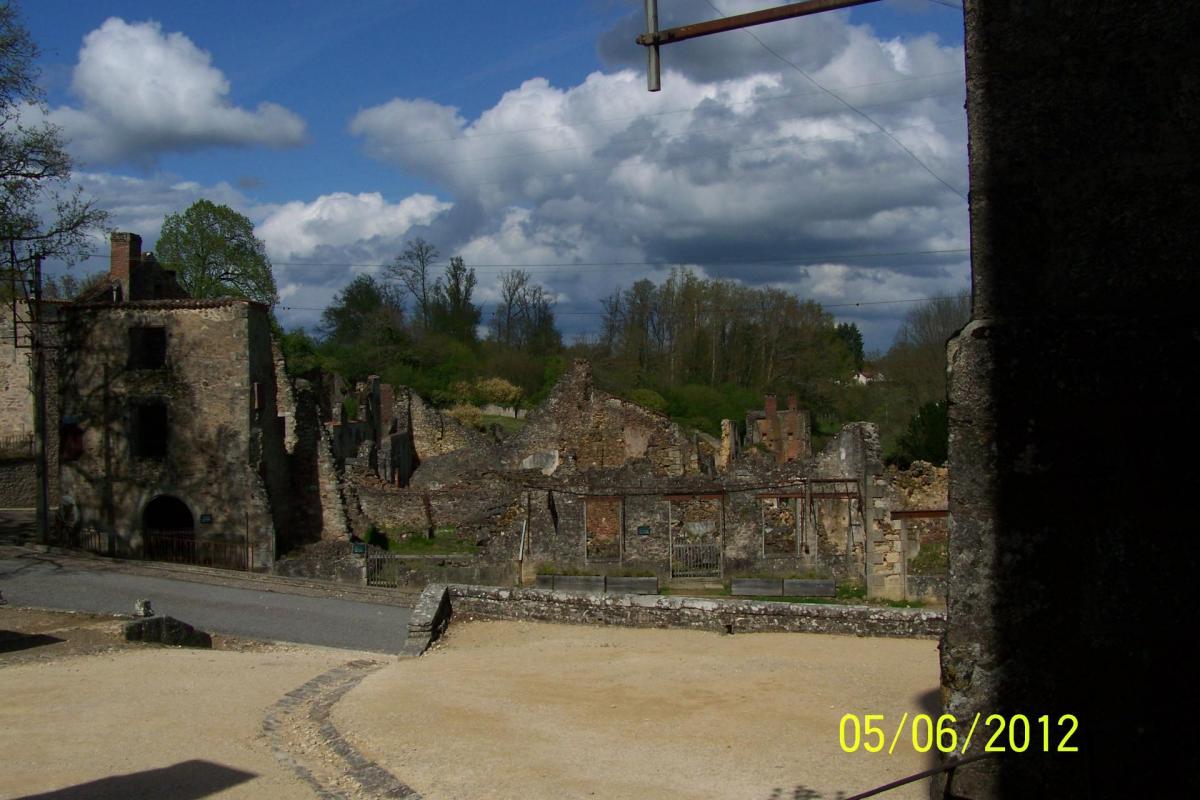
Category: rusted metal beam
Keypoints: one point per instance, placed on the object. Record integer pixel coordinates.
(922, 513)
(790, 11)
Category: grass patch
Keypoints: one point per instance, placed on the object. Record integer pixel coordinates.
(933, 559)
(851, 591)
(445, 541)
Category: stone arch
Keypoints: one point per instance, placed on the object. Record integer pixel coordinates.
(168, 514)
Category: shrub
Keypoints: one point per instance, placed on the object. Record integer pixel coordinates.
(468, 415)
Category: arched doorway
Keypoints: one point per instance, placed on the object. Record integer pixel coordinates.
(168, 530)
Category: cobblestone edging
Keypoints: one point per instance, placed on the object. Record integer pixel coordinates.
(303, 737)
(727, 616)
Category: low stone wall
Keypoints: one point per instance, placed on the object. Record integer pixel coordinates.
(429, 619)
(416, 571)
(728, 616)
(926, 588)
(18, 483)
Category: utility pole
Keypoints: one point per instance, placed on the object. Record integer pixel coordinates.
(39, 406)
(653, 37)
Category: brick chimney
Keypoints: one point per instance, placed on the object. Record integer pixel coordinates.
(126, 253)
(771, 406)
(793, 402)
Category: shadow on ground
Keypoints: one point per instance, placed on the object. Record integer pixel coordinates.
(11, 641)
(183, 781)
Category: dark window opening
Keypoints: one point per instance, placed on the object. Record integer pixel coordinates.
(147, 348)
(149, 439)
(70, 441)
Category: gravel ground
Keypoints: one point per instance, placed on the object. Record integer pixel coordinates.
(528, 710)
(86, 715)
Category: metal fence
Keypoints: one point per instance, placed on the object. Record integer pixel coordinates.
(696, 561)
(385, 569)
(16, 446)
(180, 547)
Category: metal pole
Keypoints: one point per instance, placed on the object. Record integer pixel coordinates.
(737, 21)
(39, 408)
(653, 76)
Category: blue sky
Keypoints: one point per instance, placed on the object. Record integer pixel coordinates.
(522, 134)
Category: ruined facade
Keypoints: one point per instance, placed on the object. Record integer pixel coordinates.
(597, 483)
(782, 435)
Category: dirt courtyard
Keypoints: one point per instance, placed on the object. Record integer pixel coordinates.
(528, 710)
(495, 710)
(85, 715)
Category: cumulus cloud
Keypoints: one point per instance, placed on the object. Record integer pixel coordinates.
(297, 230)
(144, 92)
(742, 167)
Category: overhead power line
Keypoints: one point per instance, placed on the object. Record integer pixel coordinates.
(557, 313)
(846, 103)
(740, 262)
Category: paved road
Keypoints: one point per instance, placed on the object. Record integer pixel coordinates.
(47, 581)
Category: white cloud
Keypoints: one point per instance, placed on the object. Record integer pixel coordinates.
(760, 175)
(297, 229)
(145, 92)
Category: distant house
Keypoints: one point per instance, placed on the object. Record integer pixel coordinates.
(168, 440)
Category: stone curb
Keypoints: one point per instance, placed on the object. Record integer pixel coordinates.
(255, 580)
(313, 701)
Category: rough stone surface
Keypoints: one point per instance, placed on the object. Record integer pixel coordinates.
(1066, 393)
(166, 630)
(18, 483)
(429, 619)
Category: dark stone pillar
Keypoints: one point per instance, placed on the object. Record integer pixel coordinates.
(1073, 447)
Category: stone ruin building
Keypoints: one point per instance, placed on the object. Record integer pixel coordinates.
(175, 434)
(598, 484)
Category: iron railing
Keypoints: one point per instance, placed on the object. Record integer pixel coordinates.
(180, 547)
(696, 561)
(16, 446)
(385, 569)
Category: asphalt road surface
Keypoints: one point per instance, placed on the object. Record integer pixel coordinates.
(46, 581)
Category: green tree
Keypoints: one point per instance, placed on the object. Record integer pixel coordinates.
(927, 437)
(453, 313)
(917, 358)
(35, 170)
(216, 253)
(363, 328)
(851, 336)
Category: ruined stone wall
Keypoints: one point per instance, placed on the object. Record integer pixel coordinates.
(586, 428)
(434, 433)
(217, 443)
(16, 397)
(18, 483)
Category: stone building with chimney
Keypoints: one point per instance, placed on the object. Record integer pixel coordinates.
(168, 441)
